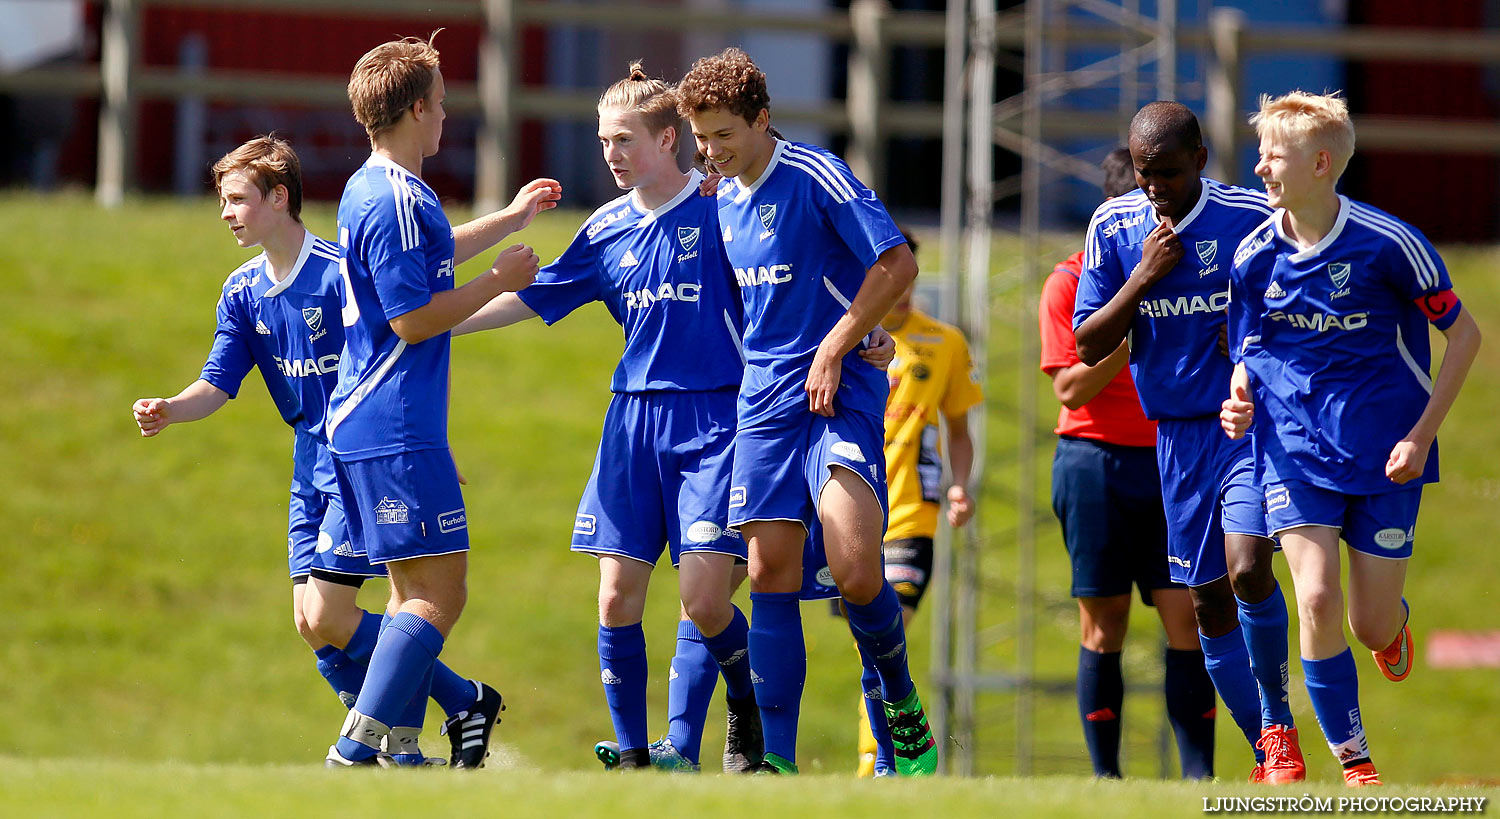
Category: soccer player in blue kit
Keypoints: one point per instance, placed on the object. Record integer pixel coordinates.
(387, 421)
(819, 262)
(1330, 303)
(655, 259)
(277, 312)
(1156, 267)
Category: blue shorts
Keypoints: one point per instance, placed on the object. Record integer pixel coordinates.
(318, 538)
(817, 578)
(782, 463)
(1208, 490)
(661, 478)
(404, 506)
(1383, 525)
(1108, 499)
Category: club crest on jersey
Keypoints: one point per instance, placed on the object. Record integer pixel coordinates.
(1207, 250)
(314, 318)
(390, 511)
(1339, 273)
(688, 237)
(767, 218)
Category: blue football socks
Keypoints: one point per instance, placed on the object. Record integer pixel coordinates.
(1228, 663)
(778, 670)
(878, 629)
(1265, 628)
(402, 660)
(690, 689)
(1333, 688)
(344, 675)
(869, 683)
(728, 648)
(622, 668)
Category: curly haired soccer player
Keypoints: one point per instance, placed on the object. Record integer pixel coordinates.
(819, 262)
(1330, 304)
(387, 420)
(654, 257)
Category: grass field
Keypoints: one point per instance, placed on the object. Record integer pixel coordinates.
(148, 608)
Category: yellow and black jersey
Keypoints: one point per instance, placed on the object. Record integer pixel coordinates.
(931, 375)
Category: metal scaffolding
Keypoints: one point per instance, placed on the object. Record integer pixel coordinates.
(1064, 46)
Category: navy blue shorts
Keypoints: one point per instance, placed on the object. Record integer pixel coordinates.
(404, 506)
(1208, 490)
(1383, 525)
(1108, 499)
(318, 538)
(661, 478)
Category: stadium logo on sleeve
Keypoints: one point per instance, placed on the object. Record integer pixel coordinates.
(584, 524)
(688, 237)
(1339, 272)
(453, 521)
(1207, 250)
(390, 511)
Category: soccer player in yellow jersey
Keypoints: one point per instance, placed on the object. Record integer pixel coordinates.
(933, 387)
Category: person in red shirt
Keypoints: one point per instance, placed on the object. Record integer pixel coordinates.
(1107, 494)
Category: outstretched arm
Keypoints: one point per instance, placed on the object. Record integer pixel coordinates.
(1409, 456)
(501, 311)
(514, 268)
(475, 237)
(198, 400)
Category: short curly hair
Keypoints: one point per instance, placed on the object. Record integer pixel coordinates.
(389, 79)
(728, 80)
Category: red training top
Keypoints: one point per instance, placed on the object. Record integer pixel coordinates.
(1114, 416)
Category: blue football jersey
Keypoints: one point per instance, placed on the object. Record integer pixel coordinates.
(801, 239)
(663, 276)
(290, 331)
(397, 250)
(1336, 344)
(1174, 337)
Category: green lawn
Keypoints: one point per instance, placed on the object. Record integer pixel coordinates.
(148, 615)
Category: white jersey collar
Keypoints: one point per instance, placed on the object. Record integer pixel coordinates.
(1304, 254)
(286, 281)
(746, 190)
(382, 161)
(1181, 225)
(652, 214)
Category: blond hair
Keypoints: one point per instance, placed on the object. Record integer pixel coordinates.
(653, 99)
(389, 79)
(267, 161)
(1315, 121)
